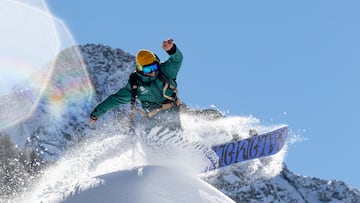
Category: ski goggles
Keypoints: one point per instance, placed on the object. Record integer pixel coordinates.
(150, 68)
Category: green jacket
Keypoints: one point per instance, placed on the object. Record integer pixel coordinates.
(150, 89)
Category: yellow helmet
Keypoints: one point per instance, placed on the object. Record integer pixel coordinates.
(145, 57)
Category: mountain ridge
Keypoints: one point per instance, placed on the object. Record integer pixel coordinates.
(61, 120)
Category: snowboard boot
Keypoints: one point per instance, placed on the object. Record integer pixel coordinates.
(253, 132)
(235, 136)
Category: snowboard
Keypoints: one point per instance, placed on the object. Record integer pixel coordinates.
(253, 147)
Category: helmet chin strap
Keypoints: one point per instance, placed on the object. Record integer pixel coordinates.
(152, 74)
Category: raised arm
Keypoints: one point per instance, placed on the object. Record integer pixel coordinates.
(172, 66)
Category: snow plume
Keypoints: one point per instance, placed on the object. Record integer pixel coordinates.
(31, 37)
(163, 154)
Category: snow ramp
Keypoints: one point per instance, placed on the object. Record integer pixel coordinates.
(148, 184)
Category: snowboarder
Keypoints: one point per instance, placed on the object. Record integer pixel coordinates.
(154, 84)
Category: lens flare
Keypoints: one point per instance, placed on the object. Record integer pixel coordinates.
(34, 68)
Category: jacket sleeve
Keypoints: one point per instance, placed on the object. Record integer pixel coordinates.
(172, 66)
(123, 96)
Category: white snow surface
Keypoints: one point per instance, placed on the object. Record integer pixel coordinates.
(113, 167)
(148, 184)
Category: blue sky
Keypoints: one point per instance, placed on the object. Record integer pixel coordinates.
(292, 62)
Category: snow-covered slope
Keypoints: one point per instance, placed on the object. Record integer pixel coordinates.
(90, 158)
(150, 184)
(116, 168)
